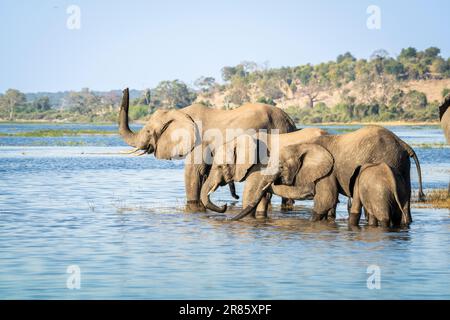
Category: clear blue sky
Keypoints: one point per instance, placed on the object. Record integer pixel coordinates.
(139, 43)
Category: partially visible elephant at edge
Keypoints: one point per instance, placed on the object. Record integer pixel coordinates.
(225, 172)
(381, 191)
(157, 135)
(444, 116)
(328, 165)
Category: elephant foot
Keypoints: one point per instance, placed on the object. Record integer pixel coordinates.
(287, 204)
(353, 219)
(261, 215)
(195, 206)
(318, 217)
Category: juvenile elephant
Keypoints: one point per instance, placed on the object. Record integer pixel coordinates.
(170, 134)
(328, 165)
(228, 168)
(383, 194)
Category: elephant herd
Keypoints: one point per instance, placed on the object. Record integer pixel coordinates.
(259, 145)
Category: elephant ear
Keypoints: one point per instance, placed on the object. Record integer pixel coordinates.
(443, 108)
(176, 135)
(245, 155)
(315, 163)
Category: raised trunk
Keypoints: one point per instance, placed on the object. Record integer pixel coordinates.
(207, 188)
(124, 130)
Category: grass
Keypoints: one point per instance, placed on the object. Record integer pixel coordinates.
(438, 145)
(436, 198)
(57, 133)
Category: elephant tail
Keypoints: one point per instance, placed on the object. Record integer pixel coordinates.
(413, 155)
(406, 217)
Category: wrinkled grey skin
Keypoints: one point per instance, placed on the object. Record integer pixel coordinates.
(444, 116)
(225, 172)
(329, 163)
(157, 135)
(383, 194)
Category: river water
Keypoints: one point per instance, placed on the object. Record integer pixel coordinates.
(73, 203)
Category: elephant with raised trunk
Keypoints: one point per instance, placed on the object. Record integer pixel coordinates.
(171, 134)
(328, 165)
(382, 192)
(228, 168)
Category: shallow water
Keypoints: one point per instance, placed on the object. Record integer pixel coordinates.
(120, 219)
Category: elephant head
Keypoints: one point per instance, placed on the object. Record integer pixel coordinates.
(232, 162)
(297, 165)
(169, 134)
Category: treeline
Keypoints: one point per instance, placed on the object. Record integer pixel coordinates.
(368, 89)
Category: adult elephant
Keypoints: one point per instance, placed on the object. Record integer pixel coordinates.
(329, 164)
(196, 130)
(444, 116)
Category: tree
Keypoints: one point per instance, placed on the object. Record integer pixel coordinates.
(205, 84)
(174, 94)
(346, 56)
(42, 104)
(82, 102)
(432, 52)
(147, 96)
(12, 99)
(311, 82)
(408, 53)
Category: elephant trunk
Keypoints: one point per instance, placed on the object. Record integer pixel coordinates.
(207, 188)
(124, 130)
(263, 187)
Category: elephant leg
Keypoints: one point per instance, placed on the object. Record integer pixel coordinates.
(373, 222)
(193, 179)
(249, 193)
(261, 209)
(287, 204)
(325, 200)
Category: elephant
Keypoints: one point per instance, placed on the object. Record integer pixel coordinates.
(178, 134)
(444, 116)
(225, 171)
(328, 166)
(383, 194)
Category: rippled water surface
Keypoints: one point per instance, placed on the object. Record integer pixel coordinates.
(74, 201)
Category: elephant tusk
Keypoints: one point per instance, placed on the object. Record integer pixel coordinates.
(140, 154)
(129, 151)
(213, 189)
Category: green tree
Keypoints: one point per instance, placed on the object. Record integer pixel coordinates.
(174, 94)
(42, 104)
(11, 100)
(205, 84)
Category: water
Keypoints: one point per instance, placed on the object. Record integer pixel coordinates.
(120, 219)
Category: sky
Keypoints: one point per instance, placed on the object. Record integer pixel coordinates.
(137, 44)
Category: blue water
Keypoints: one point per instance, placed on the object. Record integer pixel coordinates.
(120, 219)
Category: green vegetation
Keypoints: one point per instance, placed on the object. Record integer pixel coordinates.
(373, 89)
(436, 198)
(57, 133)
